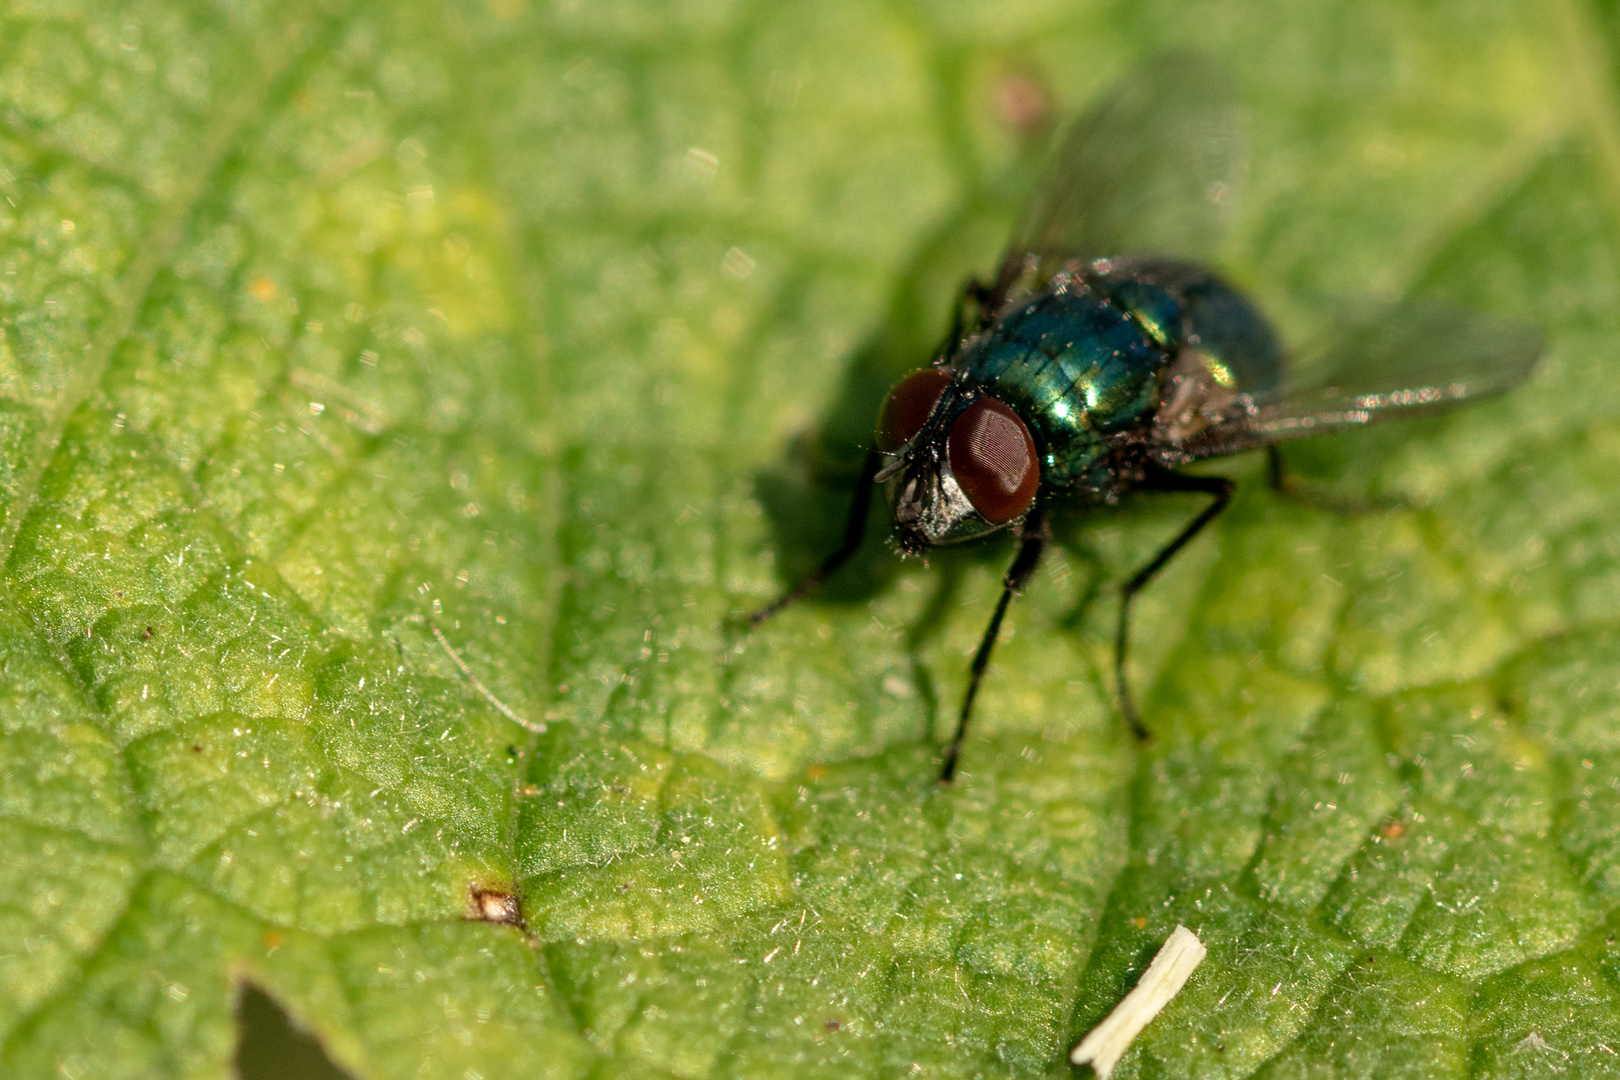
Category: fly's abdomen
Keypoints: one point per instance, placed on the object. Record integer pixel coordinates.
(1181, 304)
(1076, 369)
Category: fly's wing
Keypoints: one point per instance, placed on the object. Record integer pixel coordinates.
(1416, 359)
(1152, 169)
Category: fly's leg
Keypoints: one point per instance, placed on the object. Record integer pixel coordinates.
(854, 533)
(1096, 575)
(1218, 488)
(1289, 486)
(1029, 555)
(973, 292)
(1277, 473)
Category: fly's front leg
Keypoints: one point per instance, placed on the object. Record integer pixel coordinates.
(973, 292)
(1029, 556)
(1157, 479)
(854, 533)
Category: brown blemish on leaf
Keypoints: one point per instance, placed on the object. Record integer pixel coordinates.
(1392, 830)
(494, 906)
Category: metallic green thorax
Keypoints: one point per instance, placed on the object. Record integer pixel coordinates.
(1083, 362)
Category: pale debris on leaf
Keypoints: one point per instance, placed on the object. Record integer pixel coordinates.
(1175, 962)
(488, 695)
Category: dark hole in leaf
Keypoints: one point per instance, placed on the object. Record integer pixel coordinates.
(271, 1046)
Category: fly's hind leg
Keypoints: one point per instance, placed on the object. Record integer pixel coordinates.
(854, 533)
(1029, 556)
(1219, 488)
(1291, 486)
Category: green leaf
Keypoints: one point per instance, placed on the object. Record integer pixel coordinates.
(399, 403)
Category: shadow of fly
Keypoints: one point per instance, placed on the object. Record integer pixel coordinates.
(1106, 356)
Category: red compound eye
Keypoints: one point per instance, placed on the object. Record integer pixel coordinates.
(993, 458)
(908, 407)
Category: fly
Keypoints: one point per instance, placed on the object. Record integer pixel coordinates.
(1095, 366)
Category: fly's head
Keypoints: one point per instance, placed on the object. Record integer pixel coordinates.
(959, 463)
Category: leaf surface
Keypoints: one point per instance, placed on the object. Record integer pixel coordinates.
(399, 403)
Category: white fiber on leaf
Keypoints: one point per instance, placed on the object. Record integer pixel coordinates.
(1162, 981)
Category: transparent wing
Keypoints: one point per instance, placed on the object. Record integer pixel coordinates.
(1151, 169)
(1414, 359)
